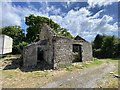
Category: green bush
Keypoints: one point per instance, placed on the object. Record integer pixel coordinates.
(97, 53)
(106, 46)
(19, 48)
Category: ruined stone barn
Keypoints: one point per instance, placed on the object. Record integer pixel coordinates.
(55, 51)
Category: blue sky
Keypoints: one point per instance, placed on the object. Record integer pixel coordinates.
(86, 19)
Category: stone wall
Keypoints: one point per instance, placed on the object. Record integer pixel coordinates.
(62, 52)
(30, 56)
(31, 51)
(57, 52)
(47, 34)
(48, 53)
(86, 51)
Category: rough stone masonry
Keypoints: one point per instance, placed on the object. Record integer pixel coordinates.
(56, 51)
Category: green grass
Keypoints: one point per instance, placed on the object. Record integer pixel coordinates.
(36, 74)
(69, 68)
(9, 56)
(111, 60)
(94, 62)
(82, 65)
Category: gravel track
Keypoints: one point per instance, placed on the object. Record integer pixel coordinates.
(86, 78)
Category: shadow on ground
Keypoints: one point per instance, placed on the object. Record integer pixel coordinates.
(12, 63)
(43, 65)
(18, 62)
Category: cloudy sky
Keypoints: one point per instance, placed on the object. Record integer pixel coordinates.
(84, 18)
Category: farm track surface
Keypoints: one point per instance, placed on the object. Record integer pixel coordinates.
(86, 78)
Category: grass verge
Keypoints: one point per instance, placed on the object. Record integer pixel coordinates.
(82, 65)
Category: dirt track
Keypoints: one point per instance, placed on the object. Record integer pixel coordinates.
(86, 78)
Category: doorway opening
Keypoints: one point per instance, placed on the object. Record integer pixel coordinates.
(39, 55)
(41, 62)
(77, 52)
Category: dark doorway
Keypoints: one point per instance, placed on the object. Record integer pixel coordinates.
(77, 53)
(41, 62)
(39, 55)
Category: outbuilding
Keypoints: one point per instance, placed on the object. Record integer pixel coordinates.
(56, 51)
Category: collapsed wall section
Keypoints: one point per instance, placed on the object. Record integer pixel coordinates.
(30, 56)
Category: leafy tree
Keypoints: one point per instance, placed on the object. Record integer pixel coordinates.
(35, 24)
(98, 42)
(106, 46)
(16, 33)
(20, 46)
(117, 48)
(65, 33)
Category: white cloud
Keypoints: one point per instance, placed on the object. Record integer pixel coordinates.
(54, 10)
(13, 15)
(9, 17)
(68, 3)
(57, 19)
(78, 22)
(81, 23)
(93, 3)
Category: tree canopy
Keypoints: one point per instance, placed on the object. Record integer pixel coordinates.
(35, 24)
(106, 46)
(16, 33)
